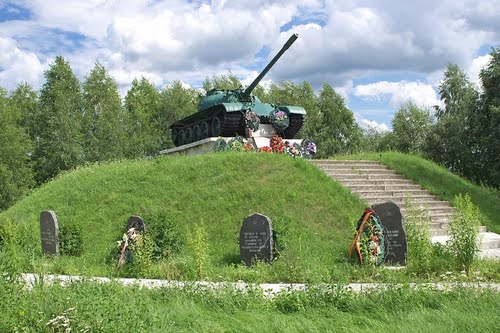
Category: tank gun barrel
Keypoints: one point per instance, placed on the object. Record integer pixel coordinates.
(255, 82)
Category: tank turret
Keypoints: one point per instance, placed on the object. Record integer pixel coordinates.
(222, 112)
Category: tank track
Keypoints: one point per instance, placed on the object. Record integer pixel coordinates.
(296, 122)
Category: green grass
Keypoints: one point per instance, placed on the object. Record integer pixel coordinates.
(441, 182)
(91, 307)
(208, 197)
(314, 215)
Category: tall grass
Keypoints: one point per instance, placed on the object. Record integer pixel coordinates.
(93, 307)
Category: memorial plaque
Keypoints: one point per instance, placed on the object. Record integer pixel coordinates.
(256, 239)
(49, 233)
(395, 238)
(136, 222)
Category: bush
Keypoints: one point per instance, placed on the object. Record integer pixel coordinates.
(70, 240)
(164, 235)
(464, 232)
(420, 249)
(198, 244)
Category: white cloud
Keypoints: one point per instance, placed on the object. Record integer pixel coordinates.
(475, 68)
(371, 124)
(17, 65)
(399, 93)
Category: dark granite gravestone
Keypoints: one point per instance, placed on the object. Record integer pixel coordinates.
(395, 237)
(256, 239)
(136, 222)
(49, 233)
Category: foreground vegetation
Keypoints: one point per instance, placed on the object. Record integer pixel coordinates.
(91, 307)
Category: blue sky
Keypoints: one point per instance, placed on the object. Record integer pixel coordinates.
(377, 53)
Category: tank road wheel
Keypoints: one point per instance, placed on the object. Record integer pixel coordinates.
(181, 137)
(189, 135)
(196, 133)
(215, 126)
(204, 130)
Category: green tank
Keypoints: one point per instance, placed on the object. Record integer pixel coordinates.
(223, 112)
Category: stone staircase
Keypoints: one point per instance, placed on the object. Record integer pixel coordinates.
(377, 183)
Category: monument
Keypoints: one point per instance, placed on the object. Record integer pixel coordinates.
(395, 235)
(256, 239)
(49, 233)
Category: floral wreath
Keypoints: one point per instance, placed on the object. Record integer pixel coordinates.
(220, 144)
(294, 150)
(369, 240)
(252, 120)
(279, 120)
(309, 148)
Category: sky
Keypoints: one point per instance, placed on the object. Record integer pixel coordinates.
(378, 54)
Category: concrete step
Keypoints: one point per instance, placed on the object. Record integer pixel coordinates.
(368, 171)
(359, 167)
(374, 182)
(393, 187)
(428, 210)
(360, 177)
(350, 162)
(415, 198)
(396, 193)
(489, 240)
(420, 202)
(439, 219)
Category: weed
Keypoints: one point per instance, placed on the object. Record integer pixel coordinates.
(464, 232)
(70, 240)
(420, 252)
(198, 243)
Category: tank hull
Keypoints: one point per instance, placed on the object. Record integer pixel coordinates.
(227, 120)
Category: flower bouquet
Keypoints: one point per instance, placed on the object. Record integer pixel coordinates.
(279, 120)
(277, 144)
(266, 149)
(248, 147)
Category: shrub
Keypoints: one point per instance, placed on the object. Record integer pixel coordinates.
(198, 244)
(164, 234)
(420, 249)
(464, 232)
(70, 240)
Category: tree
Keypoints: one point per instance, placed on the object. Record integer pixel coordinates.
(59, 144)
(375, 140)
(16, 176)
(490, 118)
(142, 106)
(454, 141)
(335, 131)
(103, 125)
(176, 102)
(229, 81)
(25, 100)
(411, 126)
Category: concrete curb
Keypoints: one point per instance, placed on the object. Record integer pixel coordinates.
(268, 289)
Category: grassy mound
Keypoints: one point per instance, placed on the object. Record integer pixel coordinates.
(196, 205)
(441, 182)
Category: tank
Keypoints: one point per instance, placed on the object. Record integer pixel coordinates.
(223, 112)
